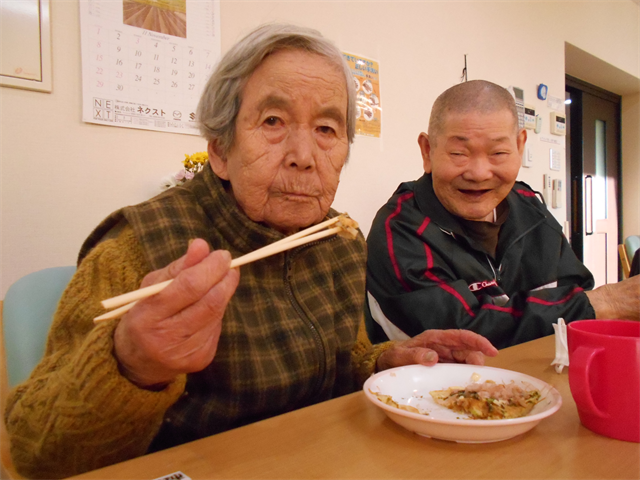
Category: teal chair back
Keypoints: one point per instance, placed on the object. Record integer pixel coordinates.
(632, 243)
(27, 312)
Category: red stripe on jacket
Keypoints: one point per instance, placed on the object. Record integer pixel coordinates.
(424, 225)
(449, 289)
(512, 311)
(526, 193)
(557, 302)
(431, 276)
(387, 227)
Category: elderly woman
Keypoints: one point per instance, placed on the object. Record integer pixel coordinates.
(219, 347)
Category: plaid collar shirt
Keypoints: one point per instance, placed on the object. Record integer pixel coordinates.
(287, 332)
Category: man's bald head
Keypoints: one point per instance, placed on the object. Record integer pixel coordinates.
(477, 96)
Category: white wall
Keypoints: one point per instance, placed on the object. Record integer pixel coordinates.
(60, 176)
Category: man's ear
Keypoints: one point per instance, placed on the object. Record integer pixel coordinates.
(425, 148)
(217, 161)
(521, 140)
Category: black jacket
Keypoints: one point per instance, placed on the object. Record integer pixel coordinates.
(424, 272)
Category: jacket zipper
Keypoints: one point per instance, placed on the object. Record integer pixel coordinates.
(495, 275)
(322, 361)
(517, 239)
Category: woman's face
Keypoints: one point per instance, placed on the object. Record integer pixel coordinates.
(290, 141)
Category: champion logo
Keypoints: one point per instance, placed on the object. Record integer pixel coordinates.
(474, 287)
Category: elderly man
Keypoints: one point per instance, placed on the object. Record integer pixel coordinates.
(219, 348)
(466, 246)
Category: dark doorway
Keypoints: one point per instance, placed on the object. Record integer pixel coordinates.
(593, 150)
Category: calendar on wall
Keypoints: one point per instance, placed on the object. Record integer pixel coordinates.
(146, 62)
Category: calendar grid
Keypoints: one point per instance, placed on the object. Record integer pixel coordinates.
(140, 78)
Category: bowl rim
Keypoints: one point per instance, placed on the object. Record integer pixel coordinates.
(554, 406)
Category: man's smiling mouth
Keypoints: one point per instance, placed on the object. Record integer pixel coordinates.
(474, 193)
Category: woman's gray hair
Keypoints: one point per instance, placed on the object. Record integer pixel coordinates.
(220, 101)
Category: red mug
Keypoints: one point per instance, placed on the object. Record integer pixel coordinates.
(604, 376)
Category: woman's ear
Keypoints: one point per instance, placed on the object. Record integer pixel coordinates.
(217, 161)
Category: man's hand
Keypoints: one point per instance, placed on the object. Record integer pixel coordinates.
(617, 300)
(177, 330)
(461, 346)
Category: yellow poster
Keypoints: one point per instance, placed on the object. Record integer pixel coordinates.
(368, 106)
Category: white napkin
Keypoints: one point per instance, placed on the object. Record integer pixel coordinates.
(562, 350)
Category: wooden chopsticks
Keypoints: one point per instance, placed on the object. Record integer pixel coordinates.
(344, 226)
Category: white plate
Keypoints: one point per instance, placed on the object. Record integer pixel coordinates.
(411, 385)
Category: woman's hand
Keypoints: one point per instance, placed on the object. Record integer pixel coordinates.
(177, 330)
(431, 346)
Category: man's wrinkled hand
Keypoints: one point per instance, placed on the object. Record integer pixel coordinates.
(617, 300)
(431, 346)
(177, 330)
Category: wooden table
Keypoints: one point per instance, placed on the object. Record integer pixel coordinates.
(350, 438)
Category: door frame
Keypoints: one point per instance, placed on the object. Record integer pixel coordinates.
(576, 151)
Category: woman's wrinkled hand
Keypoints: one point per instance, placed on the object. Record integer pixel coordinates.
(177, 330)
(431, 346)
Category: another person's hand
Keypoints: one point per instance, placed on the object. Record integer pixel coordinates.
(177, 330)
(431, 346)
(617, 300)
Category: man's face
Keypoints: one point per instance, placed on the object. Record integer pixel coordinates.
(290, 141)
(474, 161)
